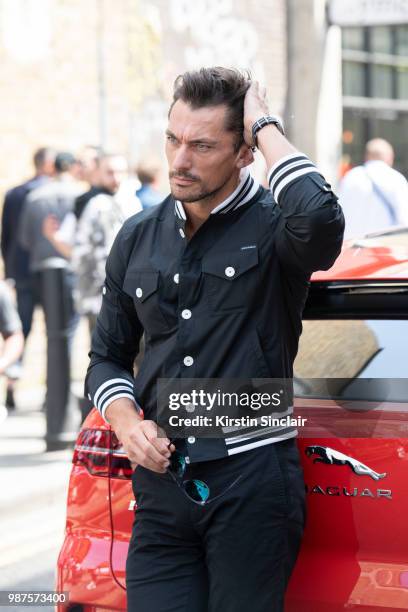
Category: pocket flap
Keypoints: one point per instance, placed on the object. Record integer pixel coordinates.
(140, 284)
(230, 265)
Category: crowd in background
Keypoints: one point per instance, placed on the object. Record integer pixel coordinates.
(58, 228)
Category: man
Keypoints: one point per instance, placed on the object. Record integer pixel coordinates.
(89, 160)
(374, 196)
(86, 240)
(216, 276)
(16, 258)
(95, 230)
(53, 283)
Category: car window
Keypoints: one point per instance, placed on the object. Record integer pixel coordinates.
(351, 359)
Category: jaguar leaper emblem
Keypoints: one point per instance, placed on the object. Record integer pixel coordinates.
(324, 454)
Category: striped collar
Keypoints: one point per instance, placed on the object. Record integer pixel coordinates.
(245, 191)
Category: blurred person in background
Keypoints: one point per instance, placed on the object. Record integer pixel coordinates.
(148, 193)
(89, 159)
(53, 282)
(16, 258)
(89, 173)
(11, 332)
(88, 246)
(374, 196)
(95, 232)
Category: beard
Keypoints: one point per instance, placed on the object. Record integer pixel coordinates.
(196, 192)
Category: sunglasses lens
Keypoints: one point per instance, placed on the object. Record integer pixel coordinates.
(197, 490)
(177, 464)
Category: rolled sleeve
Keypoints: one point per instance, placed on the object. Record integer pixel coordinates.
(312, 222)
(115, 340)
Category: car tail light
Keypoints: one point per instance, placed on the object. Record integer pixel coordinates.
(102, 454)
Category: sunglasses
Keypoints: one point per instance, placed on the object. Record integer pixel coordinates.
(196, 490)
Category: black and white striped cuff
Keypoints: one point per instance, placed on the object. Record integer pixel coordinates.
(288, 169)
(245, 444)
(112, 390)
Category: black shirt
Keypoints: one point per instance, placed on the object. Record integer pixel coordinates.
(225, 304)
(82, 200)
(16, 258)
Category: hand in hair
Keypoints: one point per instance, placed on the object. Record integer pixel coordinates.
(255, 107)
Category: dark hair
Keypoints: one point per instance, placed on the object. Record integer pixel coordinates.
(147, 172)
(41, 155)
(64, 161)
(212, 87)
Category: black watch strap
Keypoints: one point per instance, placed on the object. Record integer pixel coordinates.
(260, 123)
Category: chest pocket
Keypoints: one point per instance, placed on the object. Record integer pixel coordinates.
(142, 286)
(231, 279)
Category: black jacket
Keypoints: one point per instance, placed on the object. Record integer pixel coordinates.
(16, 258)
(226, 304)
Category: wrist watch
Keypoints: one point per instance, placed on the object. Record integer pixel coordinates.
(260, 123)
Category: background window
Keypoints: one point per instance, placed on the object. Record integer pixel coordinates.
(354, 79)
(401, 42)
(381, 81)
(381, 40)
(353, 38)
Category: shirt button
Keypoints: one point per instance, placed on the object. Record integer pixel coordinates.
(188, 360)
(230, 271)
(104, 291)
(191, 439)
(190, 407)
(182, 234)
(139, 292)
(186, 314)
(176, 278)
(187, 459)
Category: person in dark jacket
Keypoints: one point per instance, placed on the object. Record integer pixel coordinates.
(216, 277)
(16, 257)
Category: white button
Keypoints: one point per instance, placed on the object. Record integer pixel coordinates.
(176, 278)
(182, 234)
(188, 360)
(104, 291)
(191, 439)
(187, 459)
(139, 292)
(230, 271)
(186, 314)
(190, 407)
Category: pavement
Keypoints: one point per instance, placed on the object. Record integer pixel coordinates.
(30, 477)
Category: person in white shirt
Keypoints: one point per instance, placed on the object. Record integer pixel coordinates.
(86, 241)
(374, 196)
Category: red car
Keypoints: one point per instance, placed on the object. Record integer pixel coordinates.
(351, 382)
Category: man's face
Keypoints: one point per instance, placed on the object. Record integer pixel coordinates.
(200, 151)
(112, 171)
(88, 166)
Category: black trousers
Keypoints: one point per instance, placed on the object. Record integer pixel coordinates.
(235, 554)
